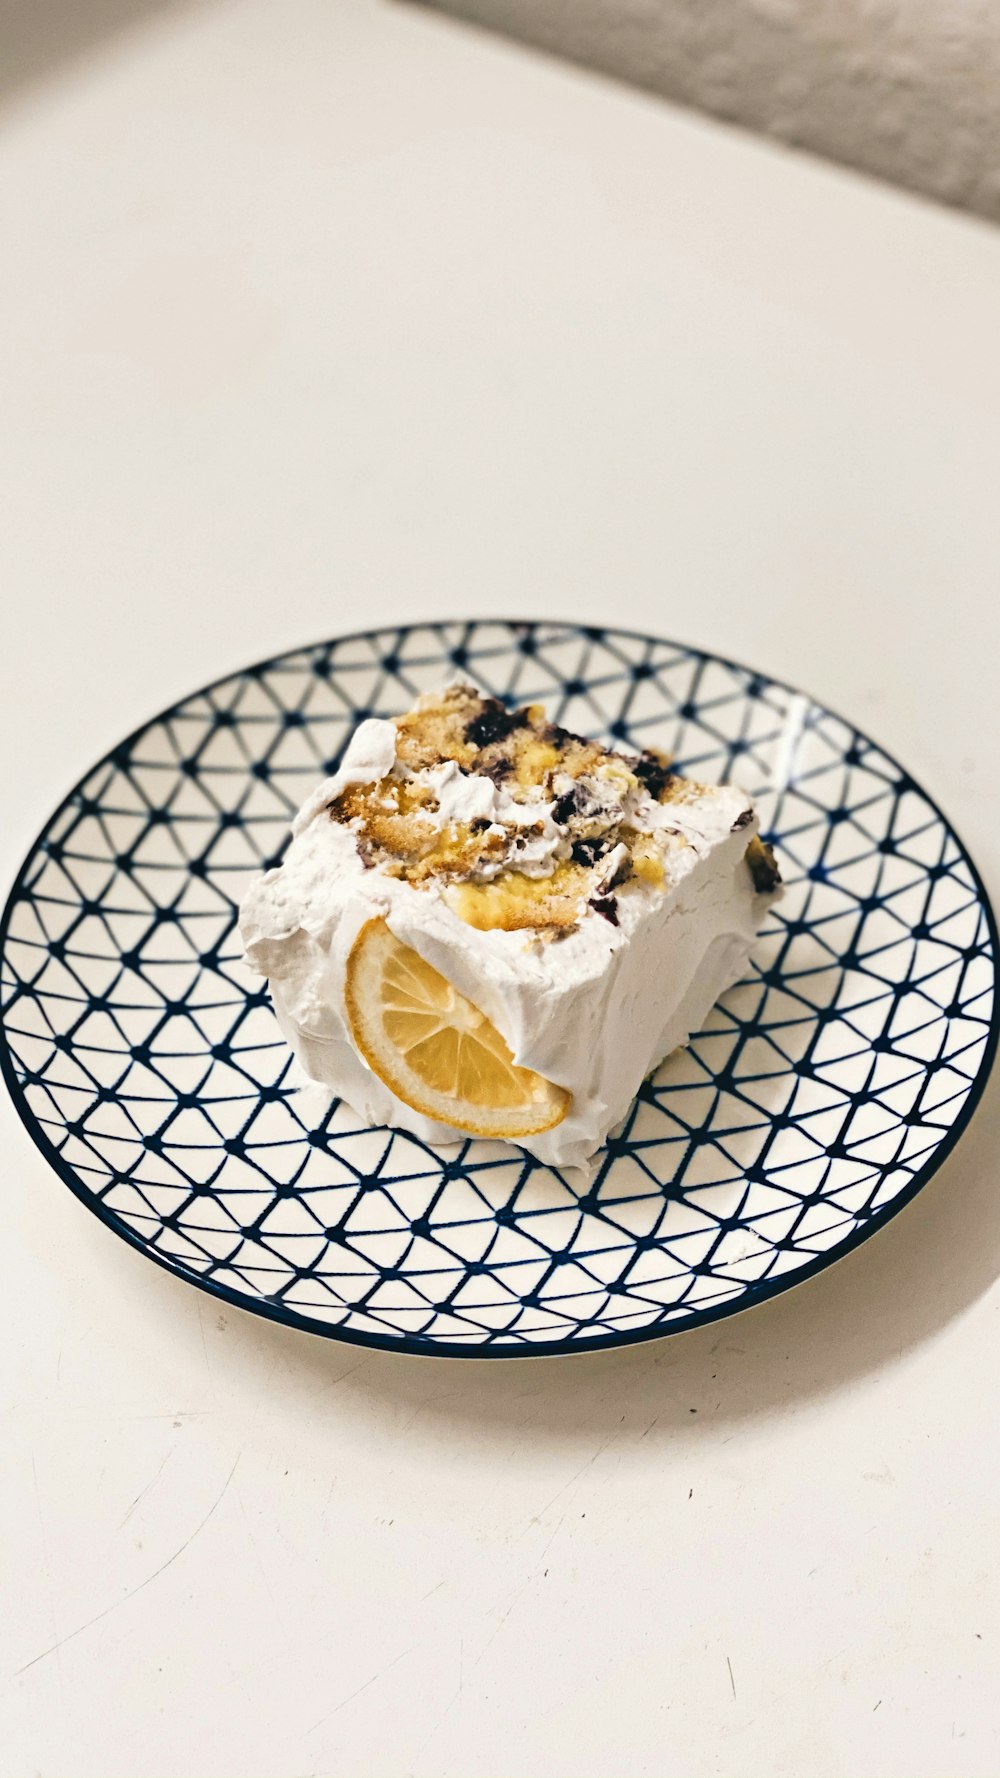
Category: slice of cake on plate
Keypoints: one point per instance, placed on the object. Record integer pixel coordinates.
(486, 925)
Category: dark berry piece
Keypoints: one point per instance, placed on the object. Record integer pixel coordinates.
(653, 773)
(493, 723)
(607, 906)
(565, 806)
(588, 851)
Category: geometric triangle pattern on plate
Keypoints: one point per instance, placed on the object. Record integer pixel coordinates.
(824, 1089)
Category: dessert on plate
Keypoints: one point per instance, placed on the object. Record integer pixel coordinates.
(487, 925)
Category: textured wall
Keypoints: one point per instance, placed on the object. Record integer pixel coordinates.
(907, 89)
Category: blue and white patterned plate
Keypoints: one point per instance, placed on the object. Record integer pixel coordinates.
(825, 1089)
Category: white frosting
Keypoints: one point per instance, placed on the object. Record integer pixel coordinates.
(610, 867)
(468, 796)
(594, 1011)
(369, 756)
(461, 796)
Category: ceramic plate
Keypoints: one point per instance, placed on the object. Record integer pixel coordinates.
(823, 1092)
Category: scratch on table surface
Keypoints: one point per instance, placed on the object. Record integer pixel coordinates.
(428, 1401)
(649, 1428)
(204, 1342)
(117, 1603)
(732, 1681)
(435, 1589)
(47, 1560)
(144, 1491)
(362, 1688)
(343, 1375)
(517, 1596)
(551, 1541)
(38, 1510)
(452, 1701)
(256, 1551)
(178, 1414)
(575, 1477)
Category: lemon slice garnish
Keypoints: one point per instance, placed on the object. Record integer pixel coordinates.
(434, 1049)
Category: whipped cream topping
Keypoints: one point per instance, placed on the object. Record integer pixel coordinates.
(470, 796)
(593, 1011)
(369, 757)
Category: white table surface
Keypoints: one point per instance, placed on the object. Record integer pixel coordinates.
(314, 314)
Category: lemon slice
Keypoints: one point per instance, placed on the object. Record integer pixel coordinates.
(434, 1049)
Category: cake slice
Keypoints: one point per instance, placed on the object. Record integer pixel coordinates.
(486, 925)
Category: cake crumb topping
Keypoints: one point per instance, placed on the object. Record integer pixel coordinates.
(519, 823)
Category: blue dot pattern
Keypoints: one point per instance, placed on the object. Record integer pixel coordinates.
(823, 1091)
